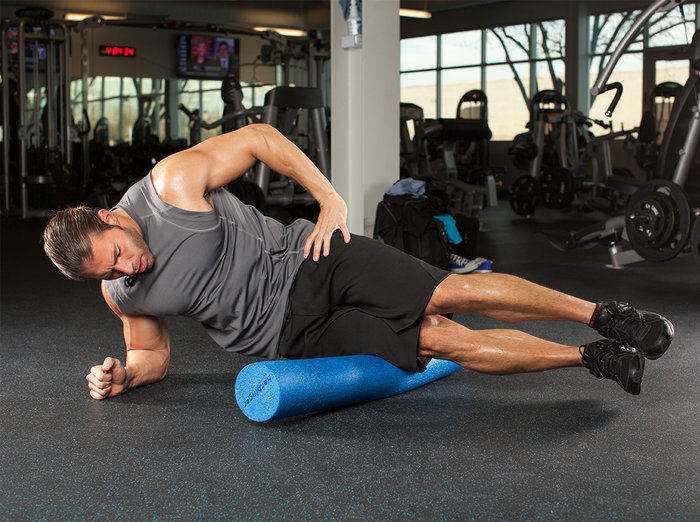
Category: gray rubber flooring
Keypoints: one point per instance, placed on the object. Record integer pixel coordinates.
(559, 445)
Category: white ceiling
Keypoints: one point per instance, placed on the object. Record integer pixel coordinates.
(306, 14)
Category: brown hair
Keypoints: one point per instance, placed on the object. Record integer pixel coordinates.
(67, 239)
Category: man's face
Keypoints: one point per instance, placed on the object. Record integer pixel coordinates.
(118, 252)
(200, 50)
(223, 50)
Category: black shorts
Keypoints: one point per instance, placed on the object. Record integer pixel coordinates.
(365, 298)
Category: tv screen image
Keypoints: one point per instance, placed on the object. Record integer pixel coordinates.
(214, 57)
(12, 39)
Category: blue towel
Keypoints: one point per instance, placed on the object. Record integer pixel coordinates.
(407, 187)
(450, 226)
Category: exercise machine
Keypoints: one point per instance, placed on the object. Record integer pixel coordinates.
(36, 72)
(661, 216)
(234, 116)
(299, 114)
(611, 187)
(451, 154)
(284, 109)
(414, 154)
(549, 151)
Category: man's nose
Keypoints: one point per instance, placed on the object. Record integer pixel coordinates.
(124, 266)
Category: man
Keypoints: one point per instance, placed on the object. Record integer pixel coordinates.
(223, 55)
(179, 244)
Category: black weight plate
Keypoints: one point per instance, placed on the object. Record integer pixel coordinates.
(524, 195)
(557, 187)
(694, 241)
(654, 219)
(675, 220)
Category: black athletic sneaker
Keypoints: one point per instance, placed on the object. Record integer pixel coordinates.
(610, 360)
(646, 332)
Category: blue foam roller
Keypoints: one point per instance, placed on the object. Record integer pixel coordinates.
(270, 390)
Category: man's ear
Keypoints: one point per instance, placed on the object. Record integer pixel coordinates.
(108, 217)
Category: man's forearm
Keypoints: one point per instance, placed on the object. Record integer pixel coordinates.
(145, 367)
(230, 155)
(286, 158)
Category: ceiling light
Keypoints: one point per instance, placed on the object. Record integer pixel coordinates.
(78, 17)
(281, 30)
(415, 13)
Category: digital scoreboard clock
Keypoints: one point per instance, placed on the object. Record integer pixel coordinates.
(123, 51)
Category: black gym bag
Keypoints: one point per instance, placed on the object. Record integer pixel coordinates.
(407, 223)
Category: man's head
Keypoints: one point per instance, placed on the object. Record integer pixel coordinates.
(85, 243)
(223, 50)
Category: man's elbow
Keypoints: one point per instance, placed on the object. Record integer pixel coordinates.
(163, 369)
(263, 135)
(262, 128)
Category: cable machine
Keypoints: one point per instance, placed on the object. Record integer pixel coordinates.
(36, 58)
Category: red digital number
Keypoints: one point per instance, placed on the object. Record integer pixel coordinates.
(117, 50)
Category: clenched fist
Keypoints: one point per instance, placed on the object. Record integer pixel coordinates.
(107, 379)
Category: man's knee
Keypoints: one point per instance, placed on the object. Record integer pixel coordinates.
(434, 321)
(441, 337)
(452, 290)
(433, 329)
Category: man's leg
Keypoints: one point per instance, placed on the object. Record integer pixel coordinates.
(495, 352)
(501, 352)
(507, 298)
(510, 298)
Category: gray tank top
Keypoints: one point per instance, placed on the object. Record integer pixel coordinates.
(230, 269)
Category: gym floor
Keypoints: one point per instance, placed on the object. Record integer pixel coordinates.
(558, 445)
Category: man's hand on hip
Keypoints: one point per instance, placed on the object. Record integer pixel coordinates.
(107, 379)
(333, 216)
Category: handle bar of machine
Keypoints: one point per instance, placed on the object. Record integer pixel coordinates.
(601, 85)
(253, 112)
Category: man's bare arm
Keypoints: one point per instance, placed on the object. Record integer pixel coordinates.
(184, 179)
(147, 355)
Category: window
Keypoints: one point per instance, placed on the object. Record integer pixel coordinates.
(205, 96)
(459, 49)
(506, 82)
(509, 63)
(508, 44)
(419, 53)
(669, 28)
(534, 56)
(606, 32)
(456, 82)
(673, 27)
(420, 88)
(117, 99)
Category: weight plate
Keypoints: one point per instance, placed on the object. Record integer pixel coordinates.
(658, 220)
(557, 187)
(653, 217)
(524, 195)
(695, 240)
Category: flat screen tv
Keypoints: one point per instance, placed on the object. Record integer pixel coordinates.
(207, 57)
(12, 39)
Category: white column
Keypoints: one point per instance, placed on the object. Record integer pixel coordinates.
(365, 110)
